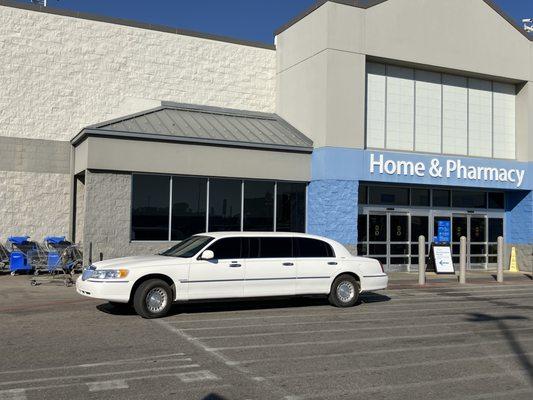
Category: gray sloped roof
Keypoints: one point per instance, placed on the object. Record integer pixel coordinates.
(205, 125)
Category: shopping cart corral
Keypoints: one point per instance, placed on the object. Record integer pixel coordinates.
(56, 259)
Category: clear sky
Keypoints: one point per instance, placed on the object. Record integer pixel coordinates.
(253, 20)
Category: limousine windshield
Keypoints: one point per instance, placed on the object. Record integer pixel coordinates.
(188, 247)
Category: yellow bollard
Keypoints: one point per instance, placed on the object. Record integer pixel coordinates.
(513, 265)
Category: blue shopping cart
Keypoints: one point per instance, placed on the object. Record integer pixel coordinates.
(18, 257)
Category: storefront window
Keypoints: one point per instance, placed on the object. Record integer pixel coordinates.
(290, 207)
(420, 197)
(441, 198)
(186, 206)
(469, 199)
(396, 196)
(189, 197)
(258, 206)
(150, 207)
(224, 205)
(496, 200)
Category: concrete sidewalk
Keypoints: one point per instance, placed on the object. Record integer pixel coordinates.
(401, 280)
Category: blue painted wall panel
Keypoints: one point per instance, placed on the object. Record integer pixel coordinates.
(519, 217)
(332, 209)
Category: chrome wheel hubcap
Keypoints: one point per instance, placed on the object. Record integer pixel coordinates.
(156, 300)
(345, 291)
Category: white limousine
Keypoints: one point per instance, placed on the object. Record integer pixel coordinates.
(222, 265)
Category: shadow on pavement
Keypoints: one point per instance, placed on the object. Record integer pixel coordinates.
(514, 344)
(243, 305)
(213, 396)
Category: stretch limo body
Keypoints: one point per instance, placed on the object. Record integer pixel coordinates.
(221, 265)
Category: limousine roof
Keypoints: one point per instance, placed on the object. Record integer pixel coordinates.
(340, 250)
(217, 235)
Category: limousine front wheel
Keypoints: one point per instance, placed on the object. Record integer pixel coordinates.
(344, 291)
(153, 299)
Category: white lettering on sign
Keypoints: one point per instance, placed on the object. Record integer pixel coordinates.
(452, 168)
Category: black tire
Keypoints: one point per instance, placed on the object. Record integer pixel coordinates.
(344, 291)
(157, 288)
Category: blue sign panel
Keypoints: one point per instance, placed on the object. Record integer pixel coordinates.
(443, 232)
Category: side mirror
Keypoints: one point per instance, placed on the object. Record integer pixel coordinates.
(207, 255)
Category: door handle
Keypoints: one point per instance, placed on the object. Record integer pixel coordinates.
(288, 264)
(332, 263)
(235, 265)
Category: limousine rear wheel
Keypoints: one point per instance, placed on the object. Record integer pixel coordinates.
(153, 299)
(344, 291)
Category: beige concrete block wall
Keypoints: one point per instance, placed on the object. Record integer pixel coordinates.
(34, 204)
(60, 74)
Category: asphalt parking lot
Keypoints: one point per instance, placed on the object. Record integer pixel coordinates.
(474, 342)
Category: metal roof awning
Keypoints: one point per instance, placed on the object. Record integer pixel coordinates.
(192, 124)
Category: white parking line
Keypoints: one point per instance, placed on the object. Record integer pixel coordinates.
(395, 366)
(114, 362)
(107, 385)
(319, 331)
(13, 394)
(196, 376)
(66, 377)
(380, 351)
(342, 313)
(366, 339)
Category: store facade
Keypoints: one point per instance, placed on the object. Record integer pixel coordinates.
(367, 132)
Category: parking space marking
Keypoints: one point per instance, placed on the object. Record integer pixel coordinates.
(107, 385)
(397, 366)
(368, 339)
(159, 358)
(66, 377)
(318, 331)
(196, 376)
(345, 312)
(13, 394)
(380, 351)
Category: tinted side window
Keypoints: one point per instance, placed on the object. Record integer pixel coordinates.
(226, 248)
(313, 248)
(250, 247)
(275, 247)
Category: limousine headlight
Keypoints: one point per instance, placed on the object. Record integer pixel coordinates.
(109, 273)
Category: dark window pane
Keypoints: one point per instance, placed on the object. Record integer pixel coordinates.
(361, 228)
(459, 228)
(495, 228)
(290, 207)
(441, 198)
(258, 206)
(496, 200)
(419, 226)
(478, 249)
(377, 229)
(377, 249)
(150, 207)
(225, 249)
(224, 205)
(493, 249)
(363, 192)
(276, 247)
(399, 249)
(469, 199)
(307, 248)
(399, 228)
(399, 260)
(189, 197)
(477, 229)
(362, 249)
(493, 260)
(420, 197)
(251, 247)
(396, 196)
